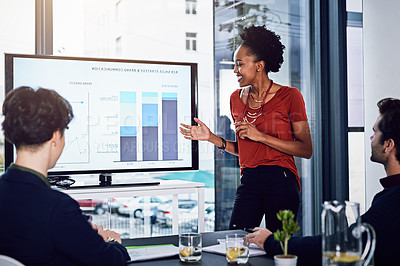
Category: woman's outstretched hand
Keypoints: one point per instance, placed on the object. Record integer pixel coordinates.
(200, 132)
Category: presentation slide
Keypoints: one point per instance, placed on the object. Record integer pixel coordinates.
(127, 114)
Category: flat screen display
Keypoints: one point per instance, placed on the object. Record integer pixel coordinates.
(127, 112)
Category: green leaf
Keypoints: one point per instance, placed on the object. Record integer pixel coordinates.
(289, 227)
(276, 237)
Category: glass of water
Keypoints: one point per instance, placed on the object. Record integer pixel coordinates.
(190, 247)
(237, 249)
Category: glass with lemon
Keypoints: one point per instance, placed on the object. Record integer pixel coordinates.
(190, 247)
(237, 249)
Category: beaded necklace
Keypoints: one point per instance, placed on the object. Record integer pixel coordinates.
(260, 109)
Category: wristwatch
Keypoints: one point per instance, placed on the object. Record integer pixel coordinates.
(223, 146)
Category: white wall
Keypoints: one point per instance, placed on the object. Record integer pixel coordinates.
(381, 73)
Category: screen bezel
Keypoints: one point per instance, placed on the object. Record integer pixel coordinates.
(9, 85)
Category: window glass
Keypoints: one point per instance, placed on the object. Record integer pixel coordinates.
(355, 77)
(116, 29)
(290, 20)
(144, 216)
(355, 93)
(357, 169)
(354, 5)
(98, 30)
(17, 35)
(156, 30)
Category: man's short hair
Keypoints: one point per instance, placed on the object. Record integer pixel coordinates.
(389, 124)
(32, 116)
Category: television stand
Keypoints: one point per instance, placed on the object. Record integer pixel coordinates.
(105, 179)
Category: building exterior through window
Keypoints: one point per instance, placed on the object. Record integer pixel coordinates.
(191, 41)
(191, 7)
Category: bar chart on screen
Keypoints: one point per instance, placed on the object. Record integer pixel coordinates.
(126, 113)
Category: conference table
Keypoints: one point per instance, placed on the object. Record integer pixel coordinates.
(209, 239)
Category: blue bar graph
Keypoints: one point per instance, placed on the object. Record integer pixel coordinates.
(150, 126)
(170, 125)
(128, 126)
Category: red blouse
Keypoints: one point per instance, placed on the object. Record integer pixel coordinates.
(285, 107)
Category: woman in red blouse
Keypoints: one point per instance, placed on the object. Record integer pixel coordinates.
(271, 127)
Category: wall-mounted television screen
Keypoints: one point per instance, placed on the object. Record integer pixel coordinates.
(127, 112)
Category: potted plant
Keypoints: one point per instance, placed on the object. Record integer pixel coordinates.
(289, 227)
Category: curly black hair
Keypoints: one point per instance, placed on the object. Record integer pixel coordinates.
(389, 124)
(31, 116)
(265, 45)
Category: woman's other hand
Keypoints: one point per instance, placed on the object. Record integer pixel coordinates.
(200, 132)
(248, 130)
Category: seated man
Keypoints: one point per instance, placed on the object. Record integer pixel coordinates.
(384, 213)
(38, 225)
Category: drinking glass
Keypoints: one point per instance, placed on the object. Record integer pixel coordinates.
(237, 249)
(190, 247)
(341, 234)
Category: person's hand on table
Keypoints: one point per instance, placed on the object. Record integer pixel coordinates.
(259, 236)
(107, 235)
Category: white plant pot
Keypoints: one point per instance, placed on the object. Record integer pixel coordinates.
(282, 260)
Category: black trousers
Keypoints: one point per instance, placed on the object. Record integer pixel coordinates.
(265, 189)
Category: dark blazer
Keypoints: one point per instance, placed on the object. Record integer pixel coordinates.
(42, 226)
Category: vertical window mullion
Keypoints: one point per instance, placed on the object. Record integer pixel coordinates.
(44, 27)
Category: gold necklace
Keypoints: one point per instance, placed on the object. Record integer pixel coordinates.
(251, 95)
(260, 110)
